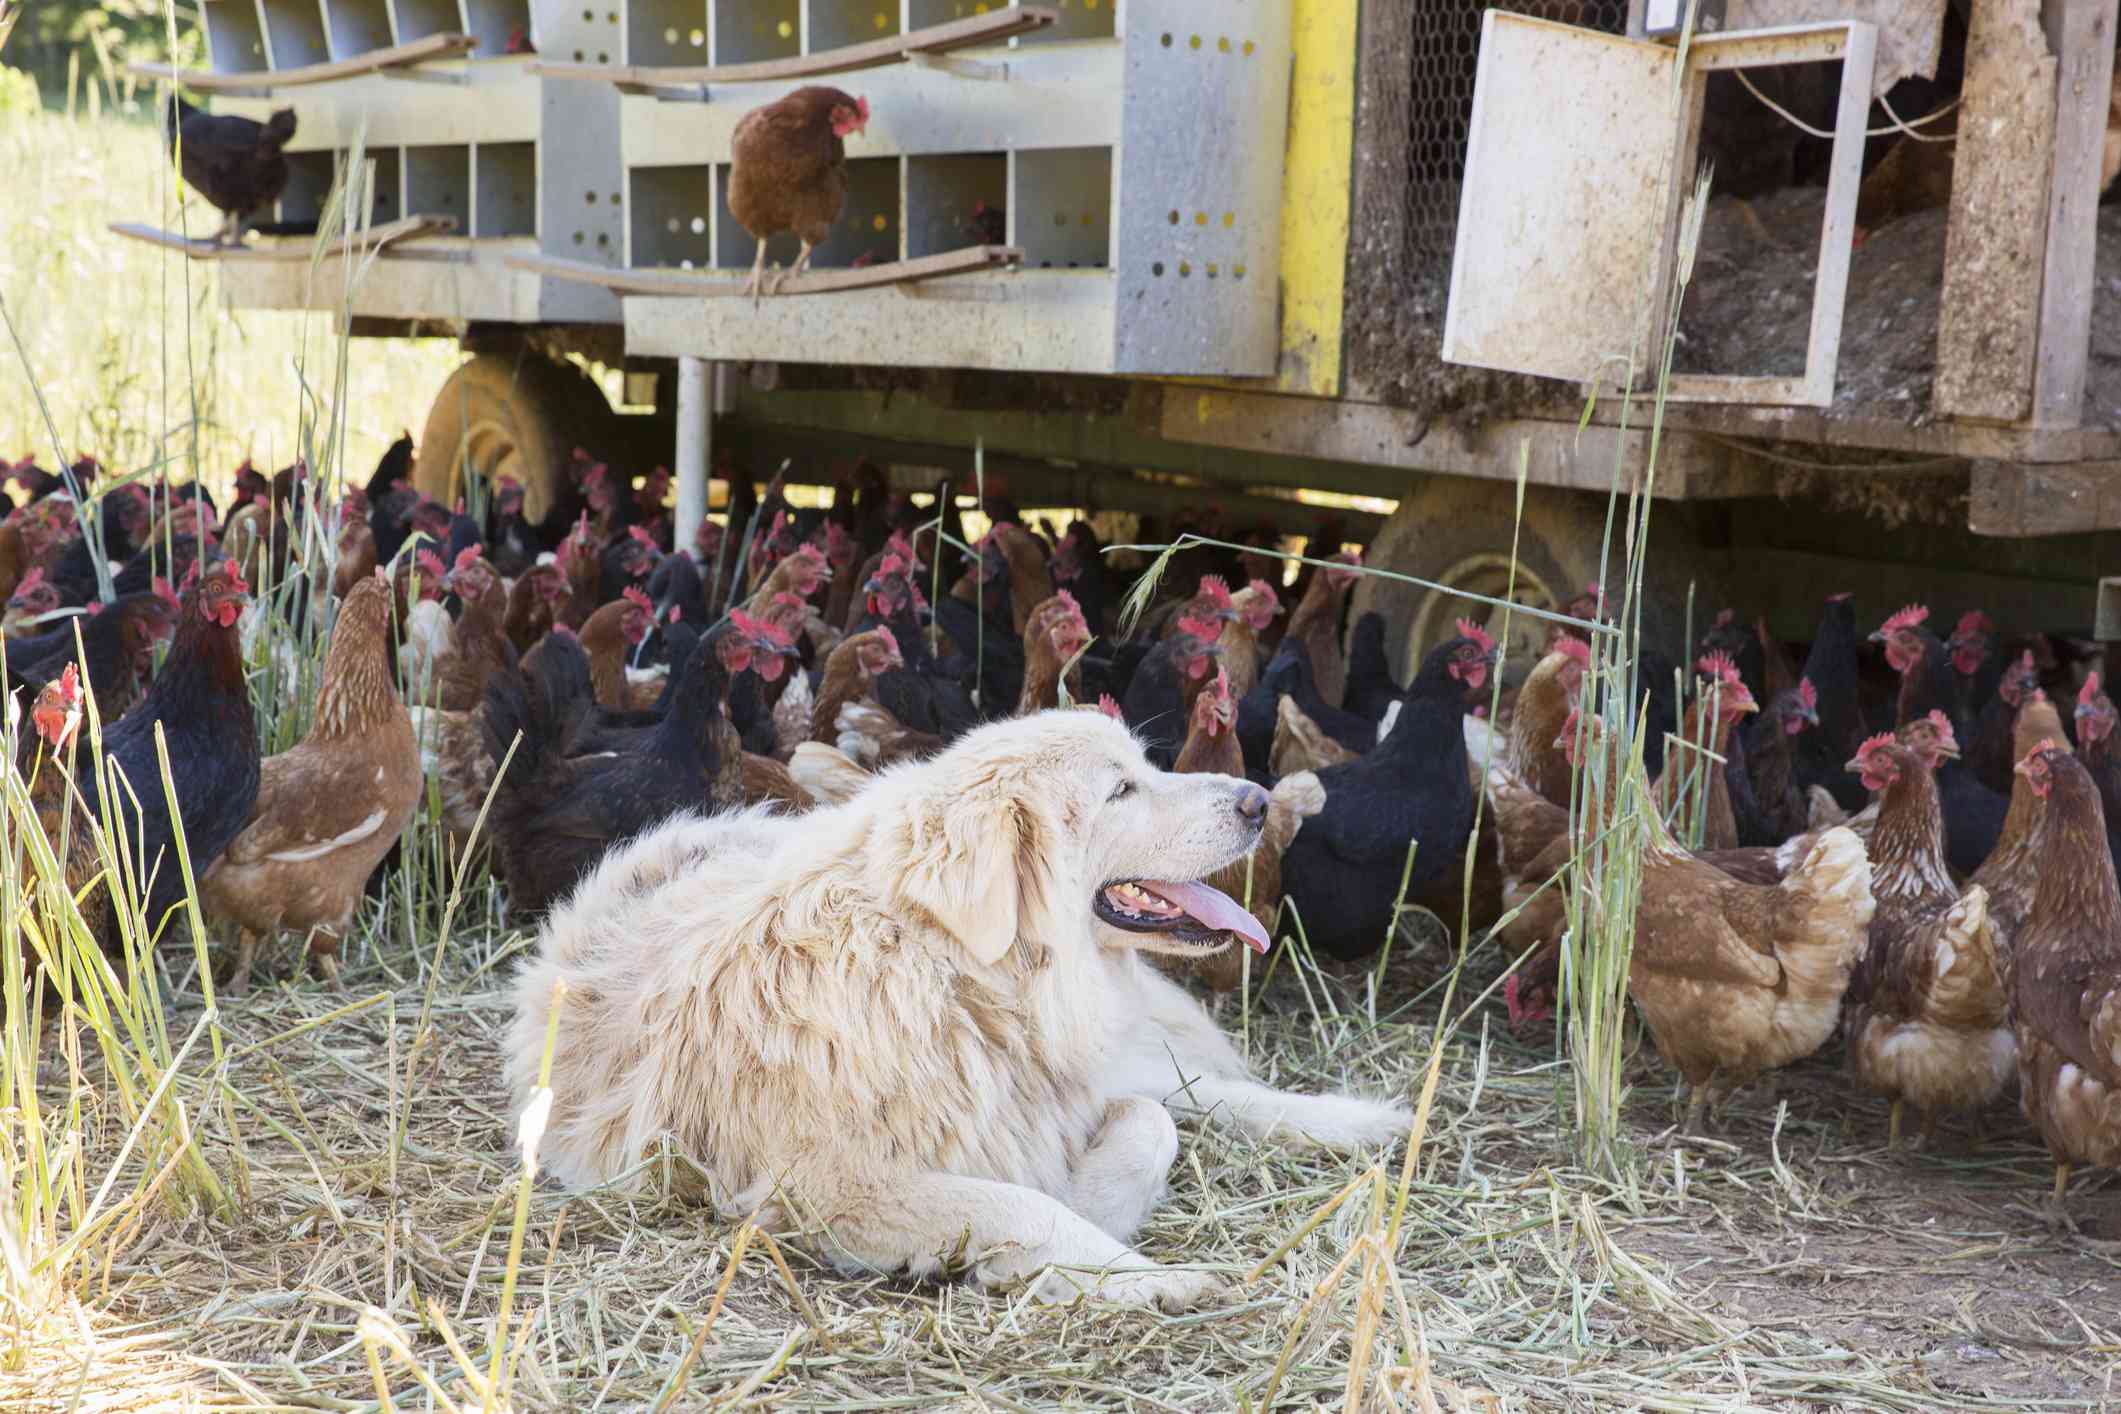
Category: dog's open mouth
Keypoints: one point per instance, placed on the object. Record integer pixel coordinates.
(1190, 913)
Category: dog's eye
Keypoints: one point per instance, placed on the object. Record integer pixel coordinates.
(1122, 791)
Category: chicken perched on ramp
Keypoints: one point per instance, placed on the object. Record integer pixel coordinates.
(237, 164)
(788, 172)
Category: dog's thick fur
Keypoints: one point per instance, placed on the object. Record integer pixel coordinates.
(899, 1018)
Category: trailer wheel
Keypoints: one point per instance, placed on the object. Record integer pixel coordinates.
(1458, 532)
(510, 416)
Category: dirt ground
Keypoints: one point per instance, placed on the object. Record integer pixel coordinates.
(1789, 1262)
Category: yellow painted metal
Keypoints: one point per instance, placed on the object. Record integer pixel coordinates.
(1318, 172)
(1315, 195)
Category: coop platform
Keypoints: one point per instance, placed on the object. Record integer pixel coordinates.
(376, 61)
(717, 285)
(286, 250)
(687, 81)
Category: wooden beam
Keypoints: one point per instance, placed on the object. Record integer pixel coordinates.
(1561, 454)
(1988, 325)
(398, 56)
(715, 284)
(288, 249)
(994, 27)
(2081, 33)
(2019, 499)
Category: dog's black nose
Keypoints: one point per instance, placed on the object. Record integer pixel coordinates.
(1252, 803)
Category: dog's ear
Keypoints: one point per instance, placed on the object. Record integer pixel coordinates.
(973, 865)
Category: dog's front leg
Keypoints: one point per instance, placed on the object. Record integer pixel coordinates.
(1330, 1121)
(1120, 1178)
(1011, 1234)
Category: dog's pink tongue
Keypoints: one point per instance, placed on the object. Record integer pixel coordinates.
(1211, 908)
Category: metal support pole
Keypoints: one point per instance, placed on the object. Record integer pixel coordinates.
(695, 451)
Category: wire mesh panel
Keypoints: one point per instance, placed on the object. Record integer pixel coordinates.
(1419, 59)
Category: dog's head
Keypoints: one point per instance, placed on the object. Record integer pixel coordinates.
(1045, 829)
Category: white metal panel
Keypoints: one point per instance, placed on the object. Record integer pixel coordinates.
(1197, 241)
(1057, 321)
(1568, 176)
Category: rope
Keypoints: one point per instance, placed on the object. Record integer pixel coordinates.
(1895, 126)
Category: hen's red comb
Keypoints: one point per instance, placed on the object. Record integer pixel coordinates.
(1871, 744)
(1068, 601)
(1569, 646)
(430, 564)
(70, 684)
(759, 630)
(1806, 693)
(887, 638)
(642, 534)
(1468, 629)
(30, 581)
(1910, 617)
(810, 552)
(2026, 664)
(466, 557)
(639, 600)
(1971, 622)
(1260, 586)
(1719, 665)
(1943, 724)
(2090, 691)
(1110, 708)
(1215, 589)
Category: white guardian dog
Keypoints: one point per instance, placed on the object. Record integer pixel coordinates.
(920, 1020)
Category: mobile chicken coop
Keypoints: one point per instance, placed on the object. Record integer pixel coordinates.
(1163, 255)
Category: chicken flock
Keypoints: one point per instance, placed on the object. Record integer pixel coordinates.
(1908, 850)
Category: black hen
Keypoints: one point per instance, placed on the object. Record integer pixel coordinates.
(235, 163)
(1159, 699)
(1973, 814)
(202, 704)
(1289, 675)
(1343, 869)
(1821, 755)
(554, 816)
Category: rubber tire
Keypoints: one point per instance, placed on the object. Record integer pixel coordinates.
(521, 416)
(1445, 521)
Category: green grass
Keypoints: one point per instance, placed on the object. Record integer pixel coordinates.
(126, 340)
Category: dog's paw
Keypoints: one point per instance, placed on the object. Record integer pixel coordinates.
(1164, 1288)
(1144, 1284)
(1347, 1122)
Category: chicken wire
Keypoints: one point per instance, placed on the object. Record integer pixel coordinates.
(1418, 62)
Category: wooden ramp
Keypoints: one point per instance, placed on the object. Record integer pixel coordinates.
(717, 285)
(376, 61)
(288, 248)
(680, 81)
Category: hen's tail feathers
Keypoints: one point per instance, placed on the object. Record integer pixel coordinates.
(1294, 799)
(1969, 975)
(1832, 890)
(545, 701)
(826, 773)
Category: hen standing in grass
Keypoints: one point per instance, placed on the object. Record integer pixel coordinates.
(235, 163)
(330, 807)
(202, 704)
(788, 172)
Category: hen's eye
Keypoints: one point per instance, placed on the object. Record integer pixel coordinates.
(1122, 790)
